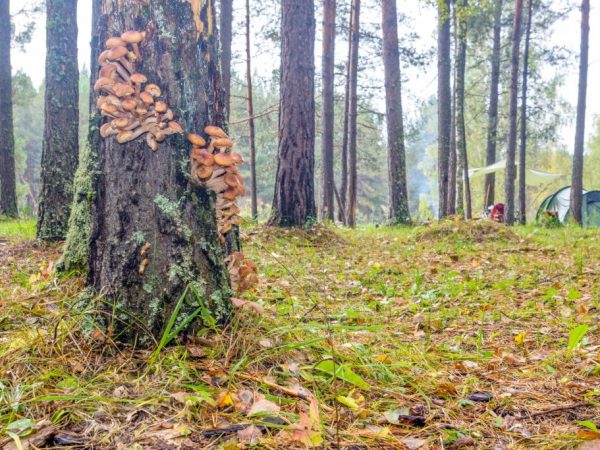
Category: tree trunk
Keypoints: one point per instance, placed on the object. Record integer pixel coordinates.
(351, 187)
(8, 194)
(509, 185)
(294, 200)
(489, 188)
(327, 141)
(399, 212)
(453, 167)
(60, 151)
(461, 138)
(252, 142)
(225, 33)
(145, 199)
(523, 129)
(577, 178)
(444, 104)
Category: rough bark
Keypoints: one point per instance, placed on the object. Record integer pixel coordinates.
(461, 138)
(489, 188)
(523, 118)
(225, 34)
(399, 212)
(327, 141)
(453, 167)
(8, 194)
(294, 199)
(577, 177)
(60, 150)
(144, 197)
(252, 139)
(444, 105)
(509, 184)
(352, 185)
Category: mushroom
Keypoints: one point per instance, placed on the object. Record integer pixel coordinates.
(114, 42)
(202, 156)
(175, 127)
(107, 130)
(217, 184)
(138, 79)
(146, 98)
(230, 193)
(196, 140)
(104, 84)
(134, 38)
(108, 71)
(103, 57)
(123, 90)
(204, 172)
(129, 104)
(130, 135)
(151, 141)
(216, 132)
(160, 107)
(119, 54)
(223, 159)
(222, 143)
(153, 90)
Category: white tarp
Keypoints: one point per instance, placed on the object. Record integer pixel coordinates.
(532, 177)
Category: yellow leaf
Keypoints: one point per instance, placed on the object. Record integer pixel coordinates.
(383, 359)
(520, 338)
(224, 399)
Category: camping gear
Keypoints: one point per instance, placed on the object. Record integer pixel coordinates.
(533, 177)
(559, 202)
(590, 210)
(497, 214)
(559, 205)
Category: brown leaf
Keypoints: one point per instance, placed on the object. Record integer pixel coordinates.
(591, 445)
(263, 406)
(250, 435)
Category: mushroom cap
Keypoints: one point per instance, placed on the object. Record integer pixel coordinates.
(214, 131)
(153, 90)
(103, 82)
(230, 193)
(124, 136)
(103, 57)
(202, 156)
(146, 98)
(120, 122)
(114, 42)
(133, 37)
(108, 108)
(223, 159)
(168, 115)
(107, 130)
(108, 70)
(175, 126)
(231, 179)
(204, 172)
(237, 158)
(151, 141)
(123, 90)
(160, 107)
(140, 111)
(138, 78)
(129, 104)
(117, 53)
(222, 143)
(196, 140)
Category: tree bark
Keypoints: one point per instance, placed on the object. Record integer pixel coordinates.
(523, 129)
(461, 137)
(399, 212)
(453, 163)
(444, 105)
(8, 191)
(509, 184)
(327, 140)
(294, 199)
(577, 177)
(146, 199)
(60, 151)
(254, 193)
(489, 187)
(352, 185)
(225, 34)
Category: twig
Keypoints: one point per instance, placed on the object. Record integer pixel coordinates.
(553, 410)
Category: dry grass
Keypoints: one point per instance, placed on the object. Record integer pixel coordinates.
(423, 318)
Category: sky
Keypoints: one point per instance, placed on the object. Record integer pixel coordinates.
(420, 83)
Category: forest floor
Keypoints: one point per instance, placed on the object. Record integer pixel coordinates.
(450, 336)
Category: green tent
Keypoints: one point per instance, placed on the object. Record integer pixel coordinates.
(590, 209)
(559, 203)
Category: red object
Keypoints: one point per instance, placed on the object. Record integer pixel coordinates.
(497, 214)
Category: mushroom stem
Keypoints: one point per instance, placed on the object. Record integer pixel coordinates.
(122, 71)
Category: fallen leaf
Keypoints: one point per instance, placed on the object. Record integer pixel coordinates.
(415, 444)
(250, 435)
(263, 406)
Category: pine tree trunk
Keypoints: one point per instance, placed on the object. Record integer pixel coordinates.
(327, 141)
(346, 121)
(352, 186)
(444, 105)
(577, 178)
(523, 128)
(8, 194)
(60, 151)
(225, 34)
(145, 198)
(399, 212)
(453, 164)
(509, 185)
(489, 188)
(254, 193)
(294, 200)
(461, 138)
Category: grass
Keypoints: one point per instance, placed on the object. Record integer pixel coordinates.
(398, 333)
(23, 229)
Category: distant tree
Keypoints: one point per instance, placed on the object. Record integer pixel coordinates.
(294, 199)
(523, 128)
(346, 123)
(352, 185)
(577, 177)
(454, 198)
(252, 138)
(327, 140)
(61, 130)
(444, 104)
(226, 36)
(399, 212)
(492, 131)
(509, 184)
(461, 138)
(8, 195)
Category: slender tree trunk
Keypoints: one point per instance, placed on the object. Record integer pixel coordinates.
(461, 137)
(509, 185)
(489, 187)
(523, 129)
(225, 33)
(327, 141)
(8, 191)
(61, 129)
(399, 212)
(154, 236)
(444, 104)
(344, 152)
(352, 186)
(251, 115)
(577, 178)
(453, 163)
(294, 200)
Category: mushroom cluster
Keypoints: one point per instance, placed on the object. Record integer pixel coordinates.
(242, 272)
(132, 104)
(215, 167)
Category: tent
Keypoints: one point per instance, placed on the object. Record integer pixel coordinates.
(590, 209)
(559, 202)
